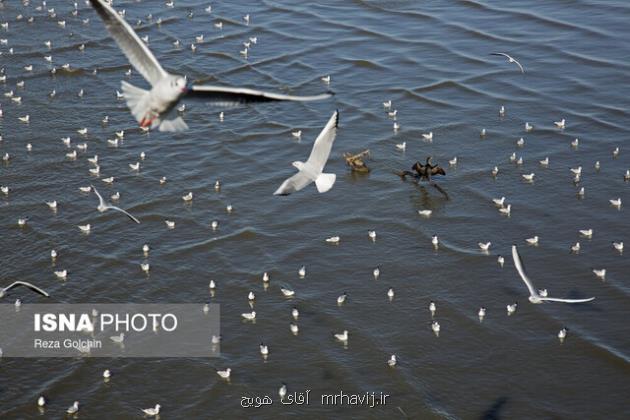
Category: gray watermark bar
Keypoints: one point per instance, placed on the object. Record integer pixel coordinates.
(110, 330)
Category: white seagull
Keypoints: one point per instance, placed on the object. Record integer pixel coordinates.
(534, 296)
(510, 60)
(149, 107)
(18, 283)
(152, 411)
(312, 169)
(103, 206)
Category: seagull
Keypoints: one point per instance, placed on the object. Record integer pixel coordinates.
(52, 204)
(265, 277)
(528, 177)
(333, 239)
(534, 296)
(510, 60)
(576, 171)
(152, 411)
(188, 197)
(532, 241)
(528, 127)
(575, 248)
(432, 308)
(501, 261)
(428, 136)
(62, 274)
(482, 133)
(295, 313)
(425, 213)
(74, 408)
(297, 134)
(390, 293)
(502, 111)
(225, 374)
(512, 308)
(118, 338)
(601, 273)
(453, 161)
(312, 170)
(402, 146)
(495, 171)
(377, 272)
(575, 143)
(107, 374)
(615, 202)
(287, 292)
(342, 336)
(435, 326)
(41, 401)
(506, 211)
(618, 246)
(264, 350)
(387, 104)
(18, 283)
(481, 313)
(560, 124)
(545, 161)
(102, 206)
(435, 241)
(282, 392)
(149, 107)
(302, 272)
(520, 142)
(586, 232)
(562, 334)
(342, 298)
(498, 201)
(484, 246)
(392, 361)
(250, 316)
(85, 228)
(372, 235)
(615, 152)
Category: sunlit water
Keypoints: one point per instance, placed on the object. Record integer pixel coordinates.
(432, 60)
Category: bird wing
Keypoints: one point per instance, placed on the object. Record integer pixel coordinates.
(501, 54)
(231, 96)
(295, 183)
(26, 284)
(521, 270)
(131, 45)
(100, 198)
(567, 300)
(519, 66)
(323, 144)
(123, 211)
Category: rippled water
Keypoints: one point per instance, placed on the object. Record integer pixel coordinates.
(432, 60)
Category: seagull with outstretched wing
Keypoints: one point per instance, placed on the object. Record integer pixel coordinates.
(312, 169)
(18, 283)
(534, 296)
(149, 107)
(103, 206)
(510, 60)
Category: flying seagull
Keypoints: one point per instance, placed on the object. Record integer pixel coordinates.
(103, 206)
(314, 166)
(510, 60)
(18, 283)
(149, 107)
(534, 296)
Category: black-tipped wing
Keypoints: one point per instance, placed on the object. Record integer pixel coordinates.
(131, 45)
(231, 96)
(26, 284)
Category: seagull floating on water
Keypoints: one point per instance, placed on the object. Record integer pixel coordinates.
(151, 412)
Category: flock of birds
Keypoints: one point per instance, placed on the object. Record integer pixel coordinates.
(157, 108)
